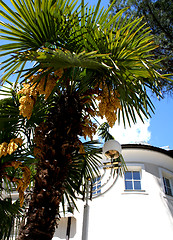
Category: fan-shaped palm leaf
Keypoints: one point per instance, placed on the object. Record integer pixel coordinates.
(9, 211)
(121, 49)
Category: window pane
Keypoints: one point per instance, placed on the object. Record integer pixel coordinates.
(167, 182)
(168, 191)
(96, 185)
(136, 175)
(128, 185)
(164, 181)
(94, 180)
(137, 185)
(128, 175)
(99, 186)
(98, 178)
(167, 186)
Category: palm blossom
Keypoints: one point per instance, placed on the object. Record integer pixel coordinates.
(83, 60)
(9, 129)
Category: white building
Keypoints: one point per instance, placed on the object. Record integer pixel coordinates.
(139, 205)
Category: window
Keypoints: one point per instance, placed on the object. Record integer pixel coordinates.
(96, 189)
(167, 186)
(167, 181)
(132, 180)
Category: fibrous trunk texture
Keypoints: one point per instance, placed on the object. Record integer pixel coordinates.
(55, 142)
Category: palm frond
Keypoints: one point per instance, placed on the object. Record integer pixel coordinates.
(103, 132)
(9, 211)
(56, 59)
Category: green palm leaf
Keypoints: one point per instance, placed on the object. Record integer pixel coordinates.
(9, 211)
(56, 59)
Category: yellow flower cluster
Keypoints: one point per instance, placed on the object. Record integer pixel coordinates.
(26, 106)
(16, 164)
(3, 149)
(81, 148)
(27, 101)
(23, 183)
(108, 104)
(32, 89)
(46, 90)
(28, 90)
(46, 85)
(6, 148)
(88, 128)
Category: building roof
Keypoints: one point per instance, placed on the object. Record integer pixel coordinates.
(148, 147)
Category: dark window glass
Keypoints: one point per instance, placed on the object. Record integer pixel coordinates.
(98, 178)
(167, 186)
(136, 175)
(132, 180)
(128, 185)
(99, 186)
(96, 185)
(128, 175)
(137, 185)
(169, 192)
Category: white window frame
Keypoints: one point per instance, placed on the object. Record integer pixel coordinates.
(141, 169)
(169, 175)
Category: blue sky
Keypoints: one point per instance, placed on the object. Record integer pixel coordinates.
(161, 123)
(104, 3)
(157, 131)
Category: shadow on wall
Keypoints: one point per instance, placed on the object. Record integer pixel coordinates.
(168, 202)
(66, 228)
(158, 176)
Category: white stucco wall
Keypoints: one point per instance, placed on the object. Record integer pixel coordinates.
(120, 214)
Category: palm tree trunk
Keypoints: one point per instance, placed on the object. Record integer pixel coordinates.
(56, 139)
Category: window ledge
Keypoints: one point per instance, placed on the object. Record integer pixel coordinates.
(135, 192)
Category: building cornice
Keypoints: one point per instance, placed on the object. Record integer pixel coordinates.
(148, 147)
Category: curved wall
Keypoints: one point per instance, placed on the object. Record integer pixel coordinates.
(133, 215)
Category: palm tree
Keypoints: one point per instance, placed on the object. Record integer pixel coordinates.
(17, 125)
(86, 64)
